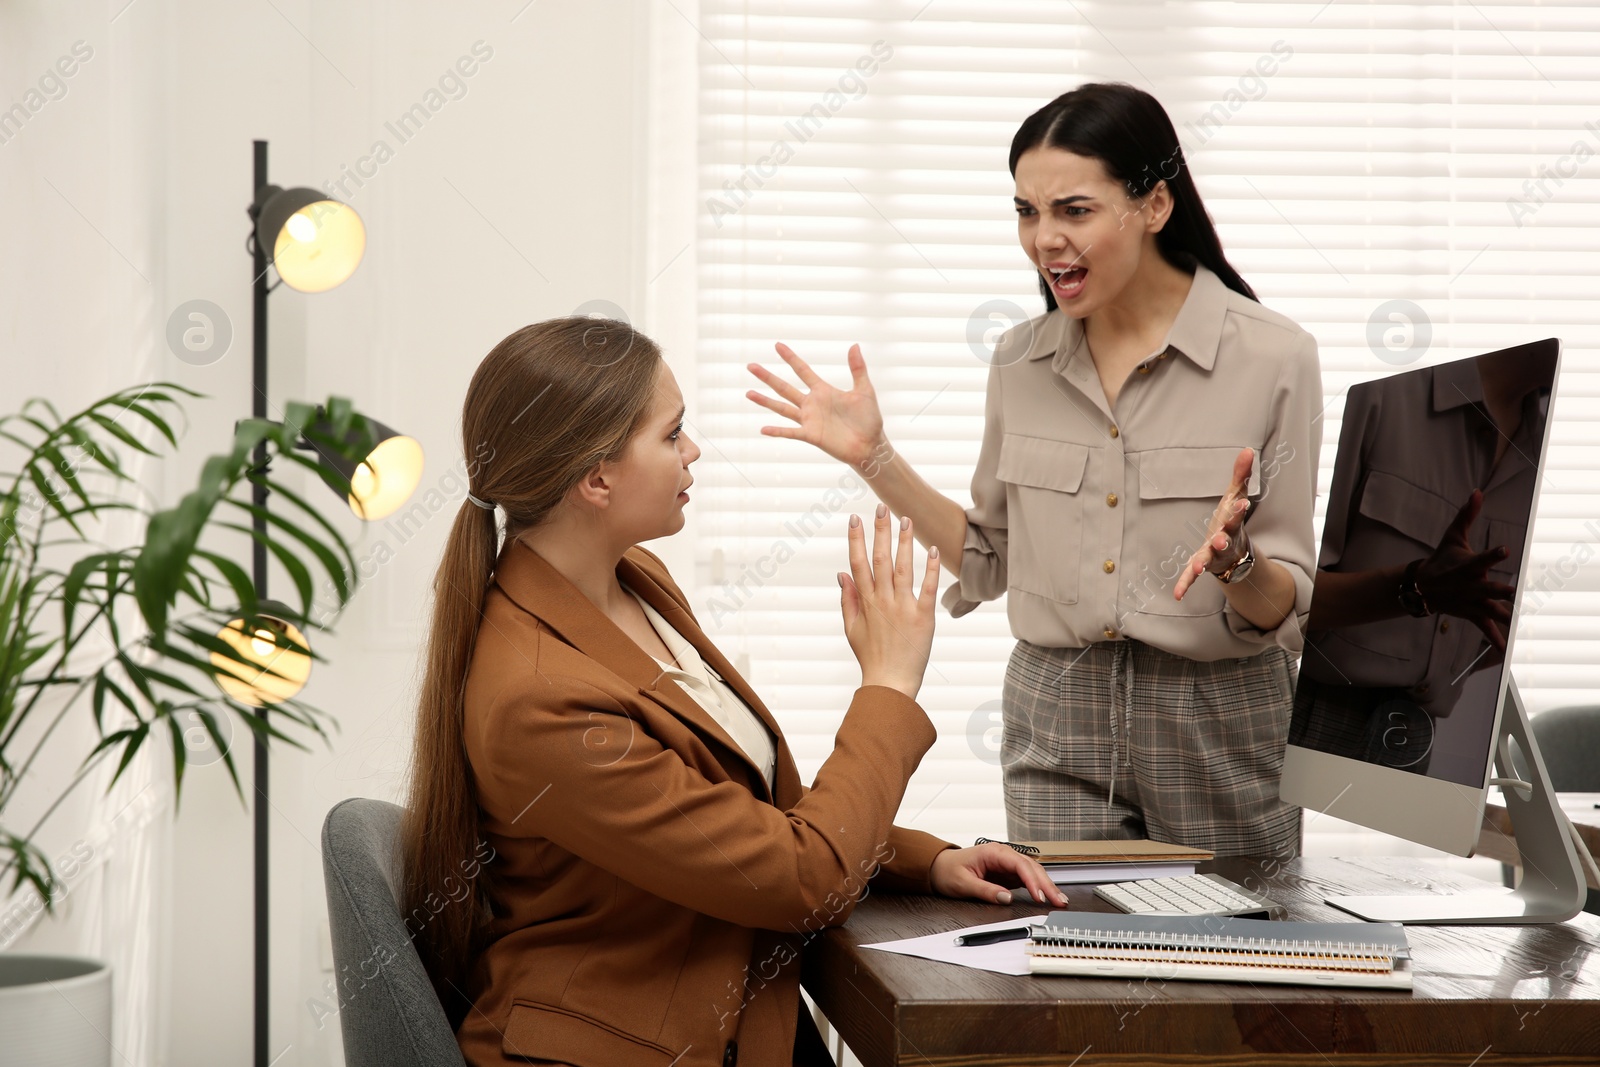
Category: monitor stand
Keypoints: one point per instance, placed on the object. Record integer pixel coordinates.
(1553, 887)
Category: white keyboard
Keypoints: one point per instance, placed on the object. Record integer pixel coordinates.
(1190, 894)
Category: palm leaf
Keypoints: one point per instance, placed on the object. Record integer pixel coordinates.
(72, 469)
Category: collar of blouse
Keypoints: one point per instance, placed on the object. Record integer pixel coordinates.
(1196, 332)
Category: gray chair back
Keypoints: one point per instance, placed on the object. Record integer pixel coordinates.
(388, 1012)
(1569, 741)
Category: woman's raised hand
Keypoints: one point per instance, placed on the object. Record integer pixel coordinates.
(1223, 544)
(846, 424)
(887, 620)
(1454, 579)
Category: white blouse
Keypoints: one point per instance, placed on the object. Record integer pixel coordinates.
(719, 700)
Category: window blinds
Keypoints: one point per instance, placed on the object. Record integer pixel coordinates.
(1410, 182)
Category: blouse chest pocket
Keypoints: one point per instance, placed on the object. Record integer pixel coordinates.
(1044, 515)
(1408, 509)
(1179, 489)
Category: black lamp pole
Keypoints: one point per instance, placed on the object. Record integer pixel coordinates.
(271, 210)
(258, 408)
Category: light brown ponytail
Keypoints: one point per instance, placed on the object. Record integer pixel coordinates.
(546, 405)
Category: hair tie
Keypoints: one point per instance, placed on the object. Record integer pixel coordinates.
(484, 504)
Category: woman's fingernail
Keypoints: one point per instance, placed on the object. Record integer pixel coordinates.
(933, 553)
(883, 511)
(839, 576)
(855, 520)
(905, 522)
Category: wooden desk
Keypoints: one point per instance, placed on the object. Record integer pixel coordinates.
(1498, 994)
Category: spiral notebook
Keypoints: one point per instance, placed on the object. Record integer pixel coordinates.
(1213, 948)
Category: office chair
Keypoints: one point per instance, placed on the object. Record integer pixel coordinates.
(388, 1012)
(1569, 741)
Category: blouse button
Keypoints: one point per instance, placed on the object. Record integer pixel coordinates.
(1113, 431)
(1110, 632)
(1444, 626)
(1144, 368)
(1111, 500)
(1109, 566)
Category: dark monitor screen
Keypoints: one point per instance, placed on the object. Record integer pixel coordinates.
(1379, 682)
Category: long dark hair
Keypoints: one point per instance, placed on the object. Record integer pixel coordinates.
(1128, 131)
(546, 405)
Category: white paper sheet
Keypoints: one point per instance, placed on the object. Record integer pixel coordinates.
(1004, 957)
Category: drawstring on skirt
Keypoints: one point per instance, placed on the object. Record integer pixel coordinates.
(1121, 700)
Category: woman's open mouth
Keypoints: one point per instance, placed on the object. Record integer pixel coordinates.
(1065, 282)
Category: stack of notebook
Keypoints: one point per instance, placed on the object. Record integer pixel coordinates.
(1082, 862)
(1215, 948)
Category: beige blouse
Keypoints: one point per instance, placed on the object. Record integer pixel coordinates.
(712, 693)
(1084, 513)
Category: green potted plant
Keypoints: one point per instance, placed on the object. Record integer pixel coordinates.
(153, 639)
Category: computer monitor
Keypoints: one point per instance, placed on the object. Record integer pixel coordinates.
(1404, 699)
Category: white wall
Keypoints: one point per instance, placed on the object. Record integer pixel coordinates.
(517, 201)
(83, 175)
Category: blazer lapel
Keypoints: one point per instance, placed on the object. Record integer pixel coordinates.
(544, 592)
(786, 777)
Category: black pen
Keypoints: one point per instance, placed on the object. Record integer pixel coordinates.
(989, 937)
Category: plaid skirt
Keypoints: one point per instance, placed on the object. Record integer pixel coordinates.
(1123, 740)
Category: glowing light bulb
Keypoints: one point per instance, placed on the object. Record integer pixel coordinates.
(301, 228)
(318, 246)
(270, 673)
(364, 482)
(386, 478)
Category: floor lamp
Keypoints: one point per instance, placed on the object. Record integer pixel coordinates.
(314, 243)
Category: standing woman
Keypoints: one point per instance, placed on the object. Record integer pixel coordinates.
(1129, 432)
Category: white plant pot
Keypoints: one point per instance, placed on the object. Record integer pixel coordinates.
(55, 1011)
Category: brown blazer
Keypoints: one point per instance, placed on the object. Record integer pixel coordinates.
(651, 895)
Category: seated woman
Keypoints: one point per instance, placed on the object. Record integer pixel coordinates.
(609, 856)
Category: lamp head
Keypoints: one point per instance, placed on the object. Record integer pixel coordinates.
(315, 242)
(382, 480)
(275, 667)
